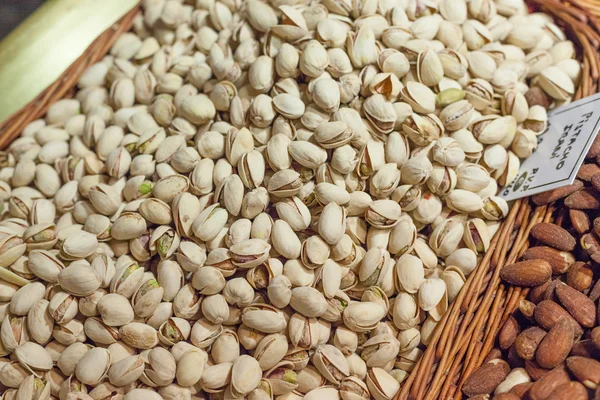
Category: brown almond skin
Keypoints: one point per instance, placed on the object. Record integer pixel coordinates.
(521, 389)
(553, 235)
(486, 378)
(596, 181)
(555, 346)
(586, 370)
(543, 387)
(494, 353)
(509, 332)
(580, 221)
(577, 304)
(595, 292)
(596, 337)
(528, 341)
(506, 396)
(580, 276)
(585, 348)
(556, 194)
(594, 150)
(596, 225)
(583, 199)
(560, 261)
(548, 313)
(569, 391)
(527, 273)
(536, 294)
(586, 171)
(534, 371)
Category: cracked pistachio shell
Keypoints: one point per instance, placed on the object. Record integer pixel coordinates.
(464, 201)
(476, 235)
(156, 211)
(78, 245)
(190, 256)
(446, 237)
(63, 307)
(115, 310)
(333, 134)
(409, 273)
(419, 97)
(246, 374)
(79, 280)
(208, 280)
(33, 387)
(472, 177)
(380, 349)
(129, 225)
(160, 367)
(263, 318)
(405, 311)
(126, 371)
(190, 367)
(494, 208)
(308, 301)
(93, 366)
(383, 213)
(380, 113)
(250, 253)
(34, 357)
(138, 335)
(294, 212)
(363, 316)
(331, 363)
(402, 236)
(215, 378)
(285, 240)
(210, 222)
(493, 129)
(26, 297)
(270, 350)
(433, 297)
(332, 223)
(40, 322)
(455, 280)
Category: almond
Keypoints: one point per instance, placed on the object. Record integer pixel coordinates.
(577, 304)
(528, 341)
(597, 226)
(596, 337)
(534, 371)
(589, 242)
(594, 150)
(560, 261)
(583, 199)
(521, 389)
(509, 332)
(585, 348)
(536, 294)
(527, 273)
(548, 313)
(494, 353)
(586, 370)
(486, 378)
(556, 194)
(595, 292)
(596, 182)
(506, 396)
(553, 235)
(527, 308)
(580, 221)
(580, 276)
(569, 391)
(544, 386)
(555, 346)
(586, 171)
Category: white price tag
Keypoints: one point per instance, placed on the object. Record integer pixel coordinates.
(561, 150)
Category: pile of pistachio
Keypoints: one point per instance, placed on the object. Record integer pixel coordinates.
(266, 200)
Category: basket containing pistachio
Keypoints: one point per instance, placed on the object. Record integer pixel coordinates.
(274, 200)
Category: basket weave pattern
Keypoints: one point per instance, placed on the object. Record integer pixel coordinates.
(467, 333)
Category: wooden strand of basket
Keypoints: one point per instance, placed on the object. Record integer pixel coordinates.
(61, 88)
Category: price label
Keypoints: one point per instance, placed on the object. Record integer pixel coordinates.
(561, 149)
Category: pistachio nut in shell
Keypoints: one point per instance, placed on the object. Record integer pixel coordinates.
(363, 316)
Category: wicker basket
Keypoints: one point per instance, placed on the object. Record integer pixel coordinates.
(468, 331)
(466, 334)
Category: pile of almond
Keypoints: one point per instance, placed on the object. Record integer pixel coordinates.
(550, 347)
